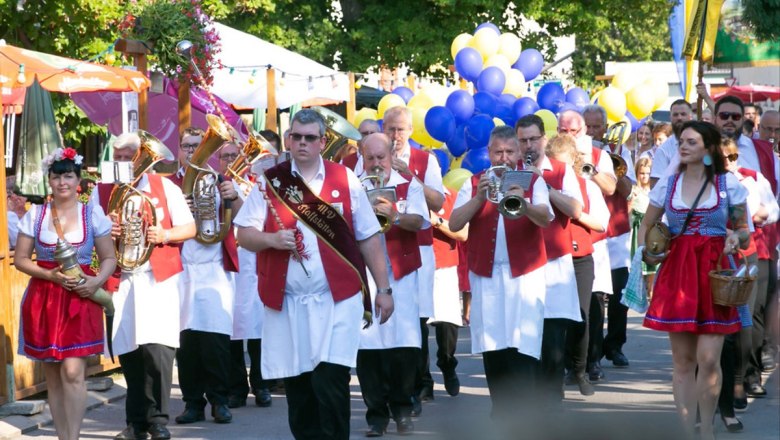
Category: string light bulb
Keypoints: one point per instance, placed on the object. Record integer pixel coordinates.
(311, 83)
(21, 78)
(282, 81)
(252, 78)
(333, 81)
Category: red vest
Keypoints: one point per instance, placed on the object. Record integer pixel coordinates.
(580, 234)
(524, 239)
(418, 165)
(618, 209)
(402, 246)
(272, 263)
(463, 267)
(758, 244)
(445, 248)
(766, 158)
(557, 236)
(350, 161)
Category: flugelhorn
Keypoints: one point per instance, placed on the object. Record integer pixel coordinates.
(253, 150)
(134, 211)
(511, 204)
(613, 139)
(377, 180)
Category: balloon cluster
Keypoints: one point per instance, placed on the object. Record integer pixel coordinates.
(632, 98)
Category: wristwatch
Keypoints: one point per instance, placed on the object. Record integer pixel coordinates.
(397, 218)
(386, 291)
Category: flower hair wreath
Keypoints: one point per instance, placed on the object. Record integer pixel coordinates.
(58, 155)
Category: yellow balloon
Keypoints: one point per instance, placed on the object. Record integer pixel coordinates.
(625, 80)
(388, 101)
(509, 47)
(660, 89)
(457, 162)
(363, 114)
(515, 83)
(437, 94)
(640, 101)
(550, 121)
(421, 101)
(459, 43)
(486, 42)
(595, 96)
(498, 122)
(419, 133)
(499, 61)
(456, 177)
(614, 102)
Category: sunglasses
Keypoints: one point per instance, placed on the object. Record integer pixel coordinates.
(724, 116)
(732, 157)
(309, 137)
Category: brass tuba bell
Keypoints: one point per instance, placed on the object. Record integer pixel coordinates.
(134, 211)
(338, 132)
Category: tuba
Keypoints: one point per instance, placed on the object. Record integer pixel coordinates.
(510, 204)
(134, 210)
(614, 138)
(376, 178)
(338, 132)
(200, 184)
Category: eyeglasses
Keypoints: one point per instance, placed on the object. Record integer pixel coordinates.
(189, 147)
(394, 130)
(530, 140)
(309, 137)
(732, 157)
(724, 116)
(231, 156)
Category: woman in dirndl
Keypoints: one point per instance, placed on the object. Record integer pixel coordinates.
(682, 301)
(60, 325)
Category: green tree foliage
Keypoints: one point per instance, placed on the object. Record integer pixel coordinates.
(764, 17)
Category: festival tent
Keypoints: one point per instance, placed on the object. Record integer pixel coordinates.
(242, 81)
(751, 93)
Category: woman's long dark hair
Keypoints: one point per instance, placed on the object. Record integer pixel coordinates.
(711, 137)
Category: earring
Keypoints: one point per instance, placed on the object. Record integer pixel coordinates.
(707, 160)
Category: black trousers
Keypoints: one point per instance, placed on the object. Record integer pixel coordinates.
(447, 342)
(728, 357)
(550, 379)
(422, 376)
(578, 332)
(148, 372)
(237, 382)
(596, 327)
(511, 379)
(387, 382)
(203, 359)
(617, 314)
(752, 372)
(318, 403)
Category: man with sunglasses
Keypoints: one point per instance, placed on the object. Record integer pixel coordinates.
(315, 232)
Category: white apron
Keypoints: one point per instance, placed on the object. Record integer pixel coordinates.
(247, 306)
(446, 297)
(403, 327)
(561, 300)
(425, 281)
(206, 290)
(602, 281)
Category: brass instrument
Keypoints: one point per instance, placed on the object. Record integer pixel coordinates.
(588, 170)
(339, 131)
(253, 150)
(134, 210)
(377, 180)
(511, 203)
(614, 138)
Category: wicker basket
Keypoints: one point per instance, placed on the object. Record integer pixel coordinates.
(728, 290)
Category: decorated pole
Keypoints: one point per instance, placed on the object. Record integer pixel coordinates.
(270, 84)
(352, 104)
(138, 50)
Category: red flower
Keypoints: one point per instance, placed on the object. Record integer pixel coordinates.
(69, 153)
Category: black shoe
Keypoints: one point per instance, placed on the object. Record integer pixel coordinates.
(586, 388)
(619, 360)
(375, 431)
(740, 404)
(158, 431)
(452, 384)
(755, 390)
(426, 394)
(595, 373)
(404, 426)
(221, 414)
(263, 397)
(732, 427)
(416, 407)
(190, 415)
(570, 378)
(131, 433)
(236, 402)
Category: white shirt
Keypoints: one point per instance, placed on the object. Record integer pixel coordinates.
(411, 205)
(101, 225)
(432, 173)
(666, 157)
(737, 194)
(13, 228)
(598, 207)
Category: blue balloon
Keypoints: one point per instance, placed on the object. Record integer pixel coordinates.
(578, 97)
(461, 104)
(468, 63)
(476, 160)
(530, 62)
(457, 144)
(635, 124)
(440, 123)
(505, 113)
(478, 131)
(507, 99)
(490, 25)
(568, 106)
(551, 97)
(443, 158)
(484, 103)
(404, 92)
(381, 124)
(524, 106)
(491, 80)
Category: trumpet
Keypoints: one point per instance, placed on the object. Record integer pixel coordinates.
(377, 180)
(613, 138)
(588, 170)
(511, 203)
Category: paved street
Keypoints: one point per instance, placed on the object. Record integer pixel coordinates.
(633, 403)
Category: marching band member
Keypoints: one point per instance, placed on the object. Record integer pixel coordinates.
(146, 320)
(354, 161)
(206, 292)
(507, 279)
(388, 354)
(447, 314)
(424, 168)
(313, 227)
(561, 304)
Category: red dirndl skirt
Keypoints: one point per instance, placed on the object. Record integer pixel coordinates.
(58, 324)
(682, 300)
